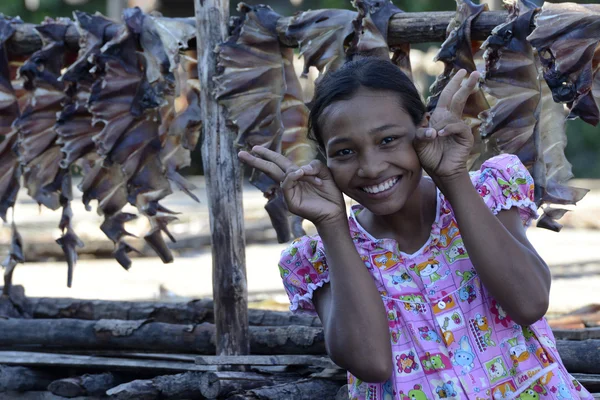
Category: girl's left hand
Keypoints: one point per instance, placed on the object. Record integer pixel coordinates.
(444, 147)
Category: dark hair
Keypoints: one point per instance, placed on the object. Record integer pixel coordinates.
(369, 72)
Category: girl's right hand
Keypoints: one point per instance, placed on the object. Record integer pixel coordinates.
(309, 191)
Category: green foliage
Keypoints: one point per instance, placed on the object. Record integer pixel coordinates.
(50, 8)
(583, 149)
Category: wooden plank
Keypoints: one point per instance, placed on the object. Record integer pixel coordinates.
(179, 386)
(224, 188)
(590, 381)
(577, 334)
(36, 359)
(316, 361)
(308, 389)
(581, 356)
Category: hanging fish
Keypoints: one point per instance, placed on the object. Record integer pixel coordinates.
(11, 94)
(524, 119)
(458, 52)
(15, 256)
(322, 36)
(566, 37)
(371, 34)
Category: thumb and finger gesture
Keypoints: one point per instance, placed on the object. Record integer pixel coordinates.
(445, 144)
(309, 190)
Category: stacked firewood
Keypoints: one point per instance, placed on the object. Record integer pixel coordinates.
(153, 350)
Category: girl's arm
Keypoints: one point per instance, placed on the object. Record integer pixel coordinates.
(505, 260)
(353, 315)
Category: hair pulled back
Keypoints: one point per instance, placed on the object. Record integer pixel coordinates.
(372, 73)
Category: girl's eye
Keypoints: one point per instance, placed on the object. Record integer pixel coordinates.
(343, 152)
(388, 139)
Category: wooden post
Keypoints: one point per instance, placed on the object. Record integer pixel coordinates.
(224, 189)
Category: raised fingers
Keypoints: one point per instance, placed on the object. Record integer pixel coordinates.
(462, 94)
(271, 169)
(451, 88)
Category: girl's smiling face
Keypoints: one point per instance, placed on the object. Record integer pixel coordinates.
(368, 142)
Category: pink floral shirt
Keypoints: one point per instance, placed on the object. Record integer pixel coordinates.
(450, 338)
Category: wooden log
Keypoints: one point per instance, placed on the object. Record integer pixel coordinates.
(23, 379)
(306, 389)
(577, 334)
(76, 361)
(224, 188)
(342, 394)
(43, 395)
(180, 386)
(85, 385)
(403, 28)
(216, 385)
(192, 312)
(590, 381)
(14, 305)
(304, 360)
(580, 355)
(144, 335)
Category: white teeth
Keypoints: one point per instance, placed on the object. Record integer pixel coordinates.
(382, 186)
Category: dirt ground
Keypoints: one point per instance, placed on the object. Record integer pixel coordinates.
(572, 254)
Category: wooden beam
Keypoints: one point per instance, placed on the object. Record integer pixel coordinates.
(405, 27)
(224, 189)
(192, 312)
(68, 334)
(304, 360)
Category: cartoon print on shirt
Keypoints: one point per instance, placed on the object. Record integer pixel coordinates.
(426, 333)
(456, 251)
(529, 394)
(504, 390)
(283, 271)
(414, 394)
(429, 269)
(517, 350)
(563, 390)
(467, 293)
(388, 390)
(496, 369)
(414, 303)
(448, 233)
(451, 321)
(482, 332)
(500, 316)
(446, 390)
(406, 362)
(385, 261)
(464, 355)
(400, 280)
(465, 276)
(447, 303)
(433, 363)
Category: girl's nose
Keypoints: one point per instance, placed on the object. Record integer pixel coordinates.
(371, 167)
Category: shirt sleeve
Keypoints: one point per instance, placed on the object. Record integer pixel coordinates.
(503, 182)
(303, 269)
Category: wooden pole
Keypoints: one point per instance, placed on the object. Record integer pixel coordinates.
(224, 189)
(416, 27)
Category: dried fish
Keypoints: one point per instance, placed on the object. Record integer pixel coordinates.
(15, 256)
(566, 37)
(524, 119)
(457, 52)
(371, 31)
(323, 36)
(10, 92)
(38, 152)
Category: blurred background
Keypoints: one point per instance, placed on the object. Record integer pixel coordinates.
(571, 254)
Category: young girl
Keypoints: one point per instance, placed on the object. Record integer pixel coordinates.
(430, 289)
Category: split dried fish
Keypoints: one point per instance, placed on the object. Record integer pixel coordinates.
(566, 37)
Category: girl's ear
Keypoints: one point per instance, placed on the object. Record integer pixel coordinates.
(425, 121)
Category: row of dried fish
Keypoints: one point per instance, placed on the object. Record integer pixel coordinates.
(109, 109)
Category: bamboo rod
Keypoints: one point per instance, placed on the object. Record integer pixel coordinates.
(405, 27)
